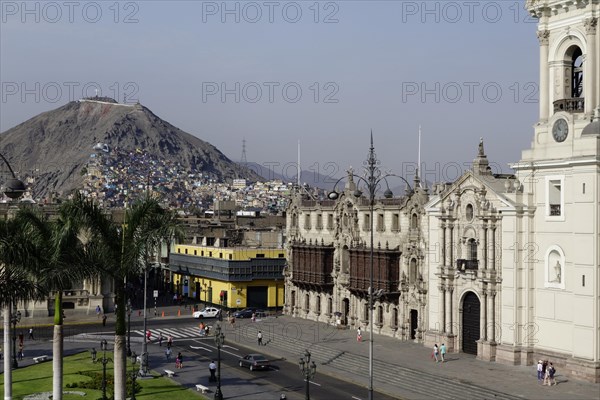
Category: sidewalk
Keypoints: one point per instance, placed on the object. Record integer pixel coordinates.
(401, 369)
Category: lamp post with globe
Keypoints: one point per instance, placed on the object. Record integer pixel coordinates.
(372, 179)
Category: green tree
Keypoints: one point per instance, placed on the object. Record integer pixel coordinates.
(69, 256)
(20, 260)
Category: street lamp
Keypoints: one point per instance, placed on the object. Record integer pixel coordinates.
(373, 178)
(133, 374)
(15, 318)
(128, 308)
(144, 361)
(219, 341)
(308, 371)
(104, 361)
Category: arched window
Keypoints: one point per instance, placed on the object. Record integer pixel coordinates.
(307, 301)
(318, 304)
(577, 73)
(366, 312)
(414, 221)
(472, 248)
(380, 315)
(329, 305)
(412, 270)
(395, 317)
(469, 212)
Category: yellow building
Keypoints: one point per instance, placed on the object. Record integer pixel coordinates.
(233, 277)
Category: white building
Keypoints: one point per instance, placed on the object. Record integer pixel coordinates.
(517, 274)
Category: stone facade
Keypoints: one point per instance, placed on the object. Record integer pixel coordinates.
(329, 260)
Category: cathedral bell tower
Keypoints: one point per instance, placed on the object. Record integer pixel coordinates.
(569, 70)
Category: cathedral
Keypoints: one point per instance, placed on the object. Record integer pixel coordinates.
(502, 266)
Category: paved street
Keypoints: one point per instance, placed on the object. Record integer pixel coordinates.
(401, 370)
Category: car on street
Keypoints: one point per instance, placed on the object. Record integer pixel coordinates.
(245, 313)
(254, 362)
(208, 312)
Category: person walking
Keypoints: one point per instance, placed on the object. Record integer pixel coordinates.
(98, 311)
(160, 339)
(544, 368)
(169, 342)
(148, 336)
(551, 372)
(259, 337)
(104, 320)
(443, 352)
(20, 354)
(212, 368)
(539, 371)
(435, 353)
(168, 353)
(31, 334)
(179, 360)
(358, 335)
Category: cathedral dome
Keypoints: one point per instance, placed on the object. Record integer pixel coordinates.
(593, 128)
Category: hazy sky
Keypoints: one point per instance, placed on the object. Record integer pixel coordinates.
(272, 72)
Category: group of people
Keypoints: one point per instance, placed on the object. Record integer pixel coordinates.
(546, 373)
(439, 353)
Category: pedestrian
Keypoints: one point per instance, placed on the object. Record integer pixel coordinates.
(168, 353)
(544, 367)
(160, 339)
(104, 320)
(98, 311)
(232, 320)
(169, 341)
(546, 373)
(443, 352)
(148, 336)
(539, 370)
(551, 372)
(435, 353)
(253, 317)
(179, 361)
(21, 338)
(259, 337)
(175, 298)
(212, 368)
(20, 354)
(358, 335)
(31, 334)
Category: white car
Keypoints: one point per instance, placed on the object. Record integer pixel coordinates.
(208, 312)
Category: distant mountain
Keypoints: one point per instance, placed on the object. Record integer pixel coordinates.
(313, 179)
(55, 146)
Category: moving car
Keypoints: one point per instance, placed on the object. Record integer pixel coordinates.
(208, 312)
(245, 313)
(254, 362)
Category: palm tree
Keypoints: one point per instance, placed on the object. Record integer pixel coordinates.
(127, 248)
(19, 279)
(69, 258)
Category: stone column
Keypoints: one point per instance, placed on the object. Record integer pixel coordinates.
(451, 313)
(590, 79)
(493, 258)
(545, 106)
(451, 246)
(443, 307)
(485, 319)
(444, 263)
(492, 294)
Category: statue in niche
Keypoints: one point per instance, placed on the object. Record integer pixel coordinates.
(557, 273)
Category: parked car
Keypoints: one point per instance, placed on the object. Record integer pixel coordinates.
(208, 312)
(245, 313)
(254, 362)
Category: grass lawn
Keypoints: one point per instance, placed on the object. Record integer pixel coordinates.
(38, 378)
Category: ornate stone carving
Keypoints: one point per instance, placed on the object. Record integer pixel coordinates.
(590, 25)
(543, 37)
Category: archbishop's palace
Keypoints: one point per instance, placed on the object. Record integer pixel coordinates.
(506, 267)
